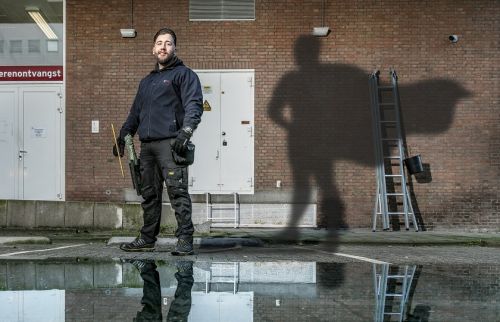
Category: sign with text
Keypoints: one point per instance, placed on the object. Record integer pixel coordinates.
(31, 73)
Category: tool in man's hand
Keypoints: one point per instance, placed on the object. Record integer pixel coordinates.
(133, 163)
(116, 145)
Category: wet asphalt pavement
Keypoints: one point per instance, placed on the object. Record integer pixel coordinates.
(317, 252)
(249, 279)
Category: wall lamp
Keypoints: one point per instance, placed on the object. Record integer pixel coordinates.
(322, 31)
(36, 15)
(129, 32)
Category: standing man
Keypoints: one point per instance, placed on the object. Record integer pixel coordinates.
(166, 110)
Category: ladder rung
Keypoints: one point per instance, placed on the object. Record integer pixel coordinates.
(395, 194)
(390, 139)
(392, 175)
(213, 218)
(392, 313)
(395, 213)
(392, 157)
(223, 208)
(394, 294)
(396, 276)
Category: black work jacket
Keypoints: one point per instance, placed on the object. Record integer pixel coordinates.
(167, 100)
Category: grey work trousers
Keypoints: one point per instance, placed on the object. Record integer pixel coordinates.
(157, 166)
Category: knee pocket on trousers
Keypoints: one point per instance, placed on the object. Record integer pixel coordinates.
(149, 192)
(176, 177)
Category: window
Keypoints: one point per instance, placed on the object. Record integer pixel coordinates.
(1, 46)
(16, 46)
(52, 46)
(25, 28)
(221, 10)
(34, 46)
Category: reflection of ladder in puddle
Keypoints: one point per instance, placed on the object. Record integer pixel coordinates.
(392, 190)
(223, 273)
(392, 288)
(235, 208)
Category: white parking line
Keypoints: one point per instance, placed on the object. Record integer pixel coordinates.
(361, 258)
(40, 250)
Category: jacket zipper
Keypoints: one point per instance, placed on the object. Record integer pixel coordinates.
(150, 91)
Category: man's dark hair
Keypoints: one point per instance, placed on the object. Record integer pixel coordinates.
(164, 31)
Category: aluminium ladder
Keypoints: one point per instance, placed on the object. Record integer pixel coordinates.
(235, 208)
(223, 273)
(392, 289)
(392, 191)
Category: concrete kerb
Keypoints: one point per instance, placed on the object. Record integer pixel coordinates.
(270, 236)
(259, 237)
(24, 240)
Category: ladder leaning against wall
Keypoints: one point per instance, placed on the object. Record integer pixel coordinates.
(392, 195)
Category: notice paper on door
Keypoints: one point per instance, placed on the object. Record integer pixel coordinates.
(38, 133)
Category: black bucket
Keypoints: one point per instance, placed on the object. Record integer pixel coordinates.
(414, 164)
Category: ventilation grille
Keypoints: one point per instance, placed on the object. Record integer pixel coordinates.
(222, 10)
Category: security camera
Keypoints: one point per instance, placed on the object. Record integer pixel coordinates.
(453, 38)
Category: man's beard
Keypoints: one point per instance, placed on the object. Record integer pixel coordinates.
(163, 61)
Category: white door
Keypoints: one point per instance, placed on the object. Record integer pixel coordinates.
(237, 132)
(221, 307)
(31, 130)
(33, 305)
(9, 140)
(224, 158)
(41, 150)
(204, 174)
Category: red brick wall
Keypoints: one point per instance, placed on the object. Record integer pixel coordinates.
(449, 95)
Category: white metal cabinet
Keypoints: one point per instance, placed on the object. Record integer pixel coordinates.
(224, 159)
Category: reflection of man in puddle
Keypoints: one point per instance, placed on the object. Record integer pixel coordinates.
(181, 305)
(151, 299)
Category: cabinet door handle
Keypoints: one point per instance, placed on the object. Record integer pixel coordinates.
(21, 153)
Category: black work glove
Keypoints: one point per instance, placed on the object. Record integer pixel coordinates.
(181, 140)
(121, 147)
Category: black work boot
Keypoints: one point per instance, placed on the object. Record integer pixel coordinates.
(184, 266)
(142, 265)
(138, 245)
(184, 247)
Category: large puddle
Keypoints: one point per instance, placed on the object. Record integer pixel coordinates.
(246, 291)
